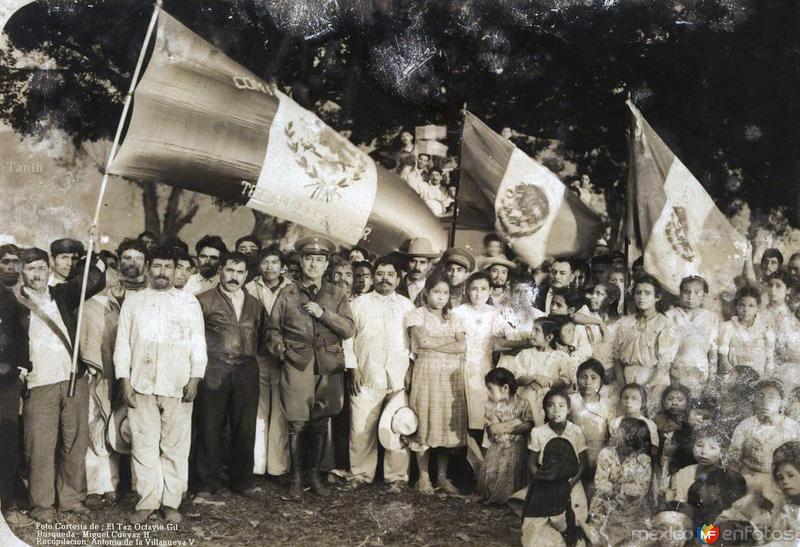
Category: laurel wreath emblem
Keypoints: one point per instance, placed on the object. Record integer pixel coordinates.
(329, 159)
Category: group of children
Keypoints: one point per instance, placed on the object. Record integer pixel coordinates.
(604, 424)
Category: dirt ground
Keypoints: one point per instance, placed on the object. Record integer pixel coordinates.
(368, 516)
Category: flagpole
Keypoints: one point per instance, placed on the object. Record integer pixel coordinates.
(451, 236)
(73, 375)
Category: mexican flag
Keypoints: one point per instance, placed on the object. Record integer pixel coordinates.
(500, 185)
(671, 219)
(203, 122)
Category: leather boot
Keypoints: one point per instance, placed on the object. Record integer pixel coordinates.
(296, 457)
(319, 436)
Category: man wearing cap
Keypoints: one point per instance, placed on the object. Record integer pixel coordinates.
(381, 348)
(419, 253)
(309, 320)
(271, 450)
(65, 254)
(459, 263)
(211, 252)
(498, 267)
(51, 417)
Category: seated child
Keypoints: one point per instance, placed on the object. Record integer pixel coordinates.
(633, 401)
(622, 482)
(756, 438)
(670, 419)
(708, 453)
(747, 340)
(702, 413)
(504, 469)
(538, 368)
(592, 409)
(557, 406)
(547, 515)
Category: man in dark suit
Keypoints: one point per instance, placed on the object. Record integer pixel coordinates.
(305, 331)
(558, 281)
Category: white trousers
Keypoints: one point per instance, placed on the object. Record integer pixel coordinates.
(271, 449)
(102, 470)
(161, 431)
(365, 412)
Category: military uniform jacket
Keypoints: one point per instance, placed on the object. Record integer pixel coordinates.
(306, 338)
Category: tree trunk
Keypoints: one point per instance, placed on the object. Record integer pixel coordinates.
(269, 229)
(150, 204)
(174, 217)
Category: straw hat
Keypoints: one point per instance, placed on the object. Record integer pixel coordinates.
(397, 419)
(118, 431)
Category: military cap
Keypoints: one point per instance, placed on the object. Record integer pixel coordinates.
(314, 245)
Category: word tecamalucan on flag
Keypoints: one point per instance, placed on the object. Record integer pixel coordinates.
(528, 204)
(203, 122)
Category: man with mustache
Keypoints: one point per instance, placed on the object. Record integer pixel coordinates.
(160, 357)
(229, 391)
(211, 252)
(51, 417)
(98, 337)
(305, 330)
(382, 355)
(271, 451)
(419, 253)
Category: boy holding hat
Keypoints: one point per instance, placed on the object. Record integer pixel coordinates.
(305, 330)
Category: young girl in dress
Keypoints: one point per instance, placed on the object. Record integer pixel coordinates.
(747, 340)
(538, 368)
(437, 382)
(785, 326)
(481, 325)
(567, 342)
(622, 482)
(599, 315)
(557, 407)
(592, 409)
(567, 304)
(509, 421)
(697, 330)
(669, 420)
(633, 404)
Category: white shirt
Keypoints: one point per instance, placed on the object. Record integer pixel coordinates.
(161, 341)
(197, 283)
(381, 343)
(237, 301)
(258, 288)
(50, 360)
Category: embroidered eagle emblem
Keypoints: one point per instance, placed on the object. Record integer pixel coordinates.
(677, 231)
(332, 162)
(523, 209)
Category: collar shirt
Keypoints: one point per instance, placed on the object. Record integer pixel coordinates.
(258, 288)
(160, 341)
(237, 301)
(50, 360)
(52, 281)
(548, 301)
(381, 342)
(645, 341)
(197, 283)
(414, 288)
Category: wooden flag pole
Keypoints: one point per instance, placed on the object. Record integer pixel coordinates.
(73, 375)
(451, 236)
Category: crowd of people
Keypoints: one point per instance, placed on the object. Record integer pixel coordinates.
(582, 394)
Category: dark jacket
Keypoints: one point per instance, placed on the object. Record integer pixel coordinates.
(305, 337)
(67, 296)
(229, 339)
(14, 346)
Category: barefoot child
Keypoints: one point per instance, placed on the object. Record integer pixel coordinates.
(504, 470)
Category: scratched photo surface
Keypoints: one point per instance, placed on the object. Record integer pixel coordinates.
(288, 118)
